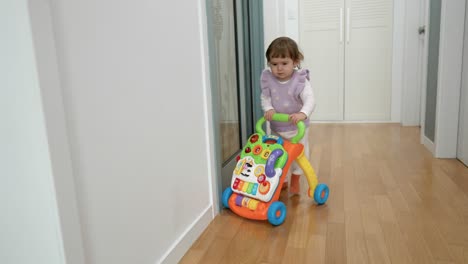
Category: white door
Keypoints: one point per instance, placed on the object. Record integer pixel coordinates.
(348, 48)
(321, 40)
(368, 58)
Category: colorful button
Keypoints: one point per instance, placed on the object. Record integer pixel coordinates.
(236, 183)
(239, 199)
(259, 170)
(245, 202)
(265, 154)
(241, 184)
(249, 188)
(254, 138)
(264, 187)
(245, 186)
(255, 188)
(261, 178)
(257, 149)
(252, 205)
(239, 166)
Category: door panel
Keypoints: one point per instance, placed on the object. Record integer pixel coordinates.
(368, 60)
(321, 40)
(368, 74)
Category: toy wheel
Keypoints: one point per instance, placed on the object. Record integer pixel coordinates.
(277, 213)
(321, 193)
(226, 195)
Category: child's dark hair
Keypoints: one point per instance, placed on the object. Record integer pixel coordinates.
(284, 47)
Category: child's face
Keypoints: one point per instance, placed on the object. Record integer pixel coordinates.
(282, 68)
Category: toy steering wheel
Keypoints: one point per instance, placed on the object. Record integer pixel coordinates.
(282, 118)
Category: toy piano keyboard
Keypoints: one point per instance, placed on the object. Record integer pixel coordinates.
(261, 170)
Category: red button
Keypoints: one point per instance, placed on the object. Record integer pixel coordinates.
(254, 138)
(261, 178)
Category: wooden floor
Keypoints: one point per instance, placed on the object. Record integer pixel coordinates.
(390, 202)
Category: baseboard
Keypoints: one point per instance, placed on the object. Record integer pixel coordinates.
(180, 246)
(428, 144)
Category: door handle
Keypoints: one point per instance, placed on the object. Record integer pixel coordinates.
(341, 25)
(422, 30)
(347, 25)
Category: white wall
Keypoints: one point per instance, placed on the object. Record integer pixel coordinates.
(136, 105)
(29, 222)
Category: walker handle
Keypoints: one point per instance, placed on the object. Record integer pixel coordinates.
(282, 118)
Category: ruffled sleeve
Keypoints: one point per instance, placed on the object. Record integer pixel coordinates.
(302, 76)
(307, 74)
(264, 82)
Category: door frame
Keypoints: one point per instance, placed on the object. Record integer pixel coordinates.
(414, 70)
(249, 56)
(462, 145)
(66, 202)
(422, 69)
(220, 165)
(450, 64)
(248, 23)
(452, 27)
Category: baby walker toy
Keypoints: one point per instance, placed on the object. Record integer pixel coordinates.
(261, 169)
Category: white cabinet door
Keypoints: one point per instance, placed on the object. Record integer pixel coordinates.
(347, 46)
(368, 60)
(321, 40)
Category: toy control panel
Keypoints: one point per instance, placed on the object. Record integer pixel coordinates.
(259, 167)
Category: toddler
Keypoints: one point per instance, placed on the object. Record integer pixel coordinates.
(286, 89)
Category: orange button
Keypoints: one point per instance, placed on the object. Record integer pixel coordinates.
(264, 187)
(257, 149)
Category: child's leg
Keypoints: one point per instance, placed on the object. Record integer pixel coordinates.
(285, 183)
(296, 170)
(295, 187)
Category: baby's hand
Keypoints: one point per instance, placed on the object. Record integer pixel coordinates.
(269, 114)
(296, 117)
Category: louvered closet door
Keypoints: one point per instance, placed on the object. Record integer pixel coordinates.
(348, 48)
(321, 40)
(368, 58)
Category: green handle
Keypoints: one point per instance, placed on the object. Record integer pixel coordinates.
(282, 118)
